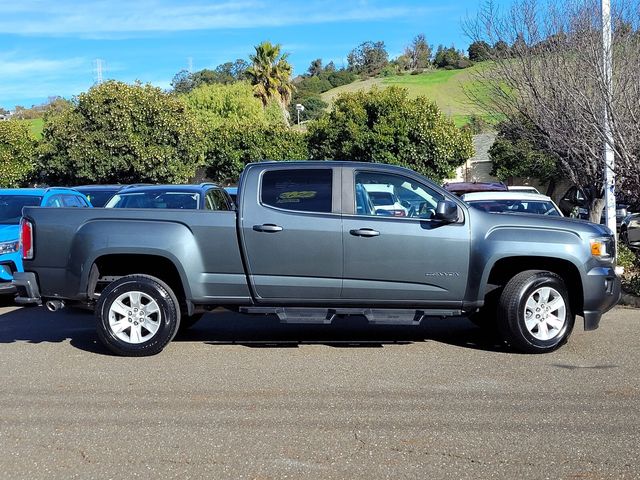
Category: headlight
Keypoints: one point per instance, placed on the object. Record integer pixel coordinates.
(9, 247)
(603, 248)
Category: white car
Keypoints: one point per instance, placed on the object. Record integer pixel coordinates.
(384, 198)
(523, 188)
(513, 202)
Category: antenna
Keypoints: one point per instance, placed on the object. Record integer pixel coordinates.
(190, 64)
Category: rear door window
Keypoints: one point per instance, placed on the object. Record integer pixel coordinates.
(306, 190)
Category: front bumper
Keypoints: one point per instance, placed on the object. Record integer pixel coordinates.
(602, 292)
(27, 288)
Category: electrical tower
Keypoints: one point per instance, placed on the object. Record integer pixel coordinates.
(99, 69)
(190, 64)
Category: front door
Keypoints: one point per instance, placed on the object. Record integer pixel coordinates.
(408, 257)
(292, 234)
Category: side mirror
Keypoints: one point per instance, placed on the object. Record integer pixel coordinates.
(446, 211)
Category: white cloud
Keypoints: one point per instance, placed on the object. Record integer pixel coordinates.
(99, 18)
(12, 67)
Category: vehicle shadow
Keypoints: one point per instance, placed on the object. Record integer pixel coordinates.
(36, 325)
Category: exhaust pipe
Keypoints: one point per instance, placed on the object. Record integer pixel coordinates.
(54, 305)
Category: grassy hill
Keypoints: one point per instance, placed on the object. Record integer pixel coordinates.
(35, 126)
(448, 88)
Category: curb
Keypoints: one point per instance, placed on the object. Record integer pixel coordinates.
(629, 300)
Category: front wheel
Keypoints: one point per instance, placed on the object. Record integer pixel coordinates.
(534, 314)
(137, 315)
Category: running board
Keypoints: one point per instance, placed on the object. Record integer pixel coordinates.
(376, 316)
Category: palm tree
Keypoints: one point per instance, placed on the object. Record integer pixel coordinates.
(270, 74)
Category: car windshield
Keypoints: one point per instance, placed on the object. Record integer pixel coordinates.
(98, 198)
(538, 207)
(155, 199)
(381, 198)
(11, 207)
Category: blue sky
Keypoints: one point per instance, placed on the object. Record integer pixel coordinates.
(49, 47)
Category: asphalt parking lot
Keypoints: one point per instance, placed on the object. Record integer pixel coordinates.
(247, 397)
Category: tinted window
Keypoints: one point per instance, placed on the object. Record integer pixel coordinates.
(99, 197)
(307, 190)
(155, 199)
(216, 200)
(54, 201)
(73, 201)
(11, 207)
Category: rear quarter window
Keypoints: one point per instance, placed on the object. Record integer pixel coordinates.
(305, 190)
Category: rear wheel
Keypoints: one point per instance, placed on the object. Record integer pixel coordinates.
(534, 314)
(137, 315)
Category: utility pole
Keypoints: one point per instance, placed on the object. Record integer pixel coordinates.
(609, 157)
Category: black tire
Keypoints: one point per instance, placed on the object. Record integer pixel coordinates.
(186, 322)
(529, 286)
(165, 320)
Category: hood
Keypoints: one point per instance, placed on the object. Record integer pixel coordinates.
(531, 220)
(9, 232)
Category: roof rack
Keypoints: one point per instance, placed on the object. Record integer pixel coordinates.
(60, 188)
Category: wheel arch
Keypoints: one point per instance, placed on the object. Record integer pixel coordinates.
(107, 267)
(506, 268)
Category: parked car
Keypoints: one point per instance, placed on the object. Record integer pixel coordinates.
(513, 202)
(298, 248)
(523, 188)
(460, 188)
(98, 195)
(575, 203)
(11, 203)
(630, 231)
(384, 198)
(204, 196)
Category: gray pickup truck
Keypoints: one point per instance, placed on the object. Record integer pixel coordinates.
(307, 244)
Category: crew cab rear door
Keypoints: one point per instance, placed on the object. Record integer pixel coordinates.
(292, 232)
(405, 257)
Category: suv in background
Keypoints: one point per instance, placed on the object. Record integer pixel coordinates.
(205, 196)
(11, 202)
(575, 202)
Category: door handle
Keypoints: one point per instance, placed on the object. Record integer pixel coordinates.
(268, 227)
(364, 232)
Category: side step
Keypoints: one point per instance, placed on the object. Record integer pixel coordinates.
(376, 316)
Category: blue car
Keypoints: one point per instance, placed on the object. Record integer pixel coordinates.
(11, 202)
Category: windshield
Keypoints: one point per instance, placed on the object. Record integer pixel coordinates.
(11, 207)
(155, 199)
(538, 207)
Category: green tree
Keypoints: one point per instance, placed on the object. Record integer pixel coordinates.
(17, 151)
(233, 104)
(479, 51)
(388, 126)
(230, 148)
(239, 130)
(313, 106)
(450, 58)
(368, 58)
(418, 53)
(124, 133)
(316, 67)
(270, 74)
